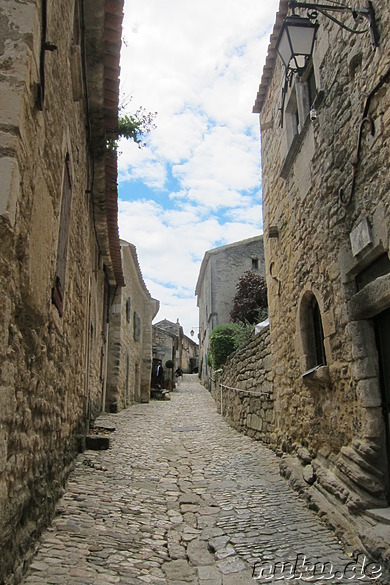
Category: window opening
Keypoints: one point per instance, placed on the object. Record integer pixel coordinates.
(292, 117)
(128, 309)
(312, 333)
(136, 327)
(318, 334)
(63, 238)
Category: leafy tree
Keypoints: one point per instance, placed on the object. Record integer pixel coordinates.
(250, 301)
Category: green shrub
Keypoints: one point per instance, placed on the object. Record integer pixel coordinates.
(224, 339)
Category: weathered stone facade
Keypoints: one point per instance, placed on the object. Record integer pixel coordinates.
(59, 253)
(190, 355)
(219, 274)
(132, 310)
(326, 202)
(170, 344)
(245, 389)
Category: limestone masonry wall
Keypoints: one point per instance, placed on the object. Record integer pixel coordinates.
(130, 337)
(51, 369)
(245, 388)
(326, 208)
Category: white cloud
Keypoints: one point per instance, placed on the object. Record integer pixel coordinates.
(199, 66)
(140, 164)
(222, 167)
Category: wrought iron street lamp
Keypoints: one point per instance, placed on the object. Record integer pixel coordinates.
(296, 43)
(296, 40)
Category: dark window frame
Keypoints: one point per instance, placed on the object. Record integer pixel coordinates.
(58, 290)
(136, 327)
(312, 332)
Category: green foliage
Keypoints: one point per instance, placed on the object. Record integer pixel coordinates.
(133, 127)
(224, 339)
(169, 364)
(250, 302)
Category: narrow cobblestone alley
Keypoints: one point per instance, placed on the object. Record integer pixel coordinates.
(179, 498)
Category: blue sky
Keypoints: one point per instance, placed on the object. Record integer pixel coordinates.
(197, 184)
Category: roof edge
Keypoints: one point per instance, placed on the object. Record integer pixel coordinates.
(270, 61)
(215, 251)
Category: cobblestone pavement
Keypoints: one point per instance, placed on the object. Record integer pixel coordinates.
(180, 498)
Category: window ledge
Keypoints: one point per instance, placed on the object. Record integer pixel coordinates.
(293, 150)
(317, 376)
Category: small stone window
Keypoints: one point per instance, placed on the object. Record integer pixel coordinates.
(128, 309)
(312, 332)
(318, 335)
(58, 289)
(136, 327)
(255, 263)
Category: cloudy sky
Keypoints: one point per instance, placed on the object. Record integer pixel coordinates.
(196, 185)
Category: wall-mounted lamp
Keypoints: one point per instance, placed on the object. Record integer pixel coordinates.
(192, 332)
(296, 40)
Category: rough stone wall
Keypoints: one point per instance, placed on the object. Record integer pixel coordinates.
(175, 331)
(165, 346)
(335, 414)
(190, 355)
(51, 375)
(246, 389)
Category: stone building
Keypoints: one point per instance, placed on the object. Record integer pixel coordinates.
(326, 207)
(189, 355)
(59, 251)
(170, 344)
(219, 274)
(132, 310)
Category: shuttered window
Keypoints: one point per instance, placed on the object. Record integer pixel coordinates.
(136, 327)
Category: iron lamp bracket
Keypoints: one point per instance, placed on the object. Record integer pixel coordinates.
(359, 14)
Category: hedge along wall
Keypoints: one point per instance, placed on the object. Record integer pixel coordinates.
(245, 388)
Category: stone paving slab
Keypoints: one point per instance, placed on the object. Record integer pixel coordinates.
(181, 498)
